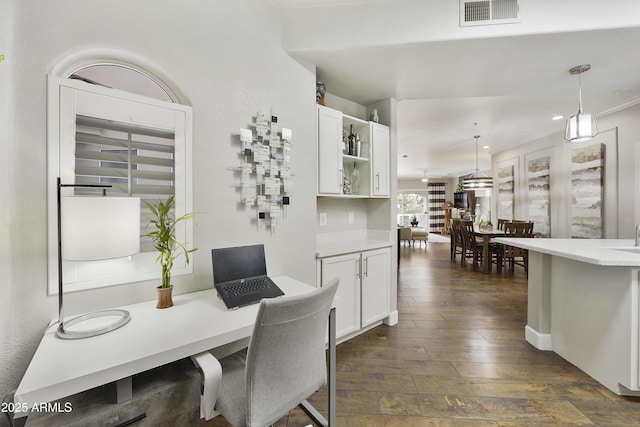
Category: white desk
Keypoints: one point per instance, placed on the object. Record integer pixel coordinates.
(197, 322)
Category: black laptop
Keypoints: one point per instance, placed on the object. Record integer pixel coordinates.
(240, 275)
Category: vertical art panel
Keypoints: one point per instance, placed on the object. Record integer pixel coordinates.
(538, 171)
(505, 192)
(436, 198)
(587, 191)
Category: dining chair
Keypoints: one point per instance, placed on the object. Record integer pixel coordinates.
(502, 222)
(285, 362)
(471, 246)
(508, 256)
(457, 240)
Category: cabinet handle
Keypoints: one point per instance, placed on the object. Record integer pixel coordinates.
(340, 180)
(358, 265)
(366, 267)
(378, 181)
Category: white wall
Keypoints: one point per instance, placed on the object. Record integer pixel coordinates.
(410, 21)
(620, 132)
(227, 60)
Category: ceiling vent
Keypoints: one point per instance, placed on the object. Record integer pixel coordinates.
(488, 12)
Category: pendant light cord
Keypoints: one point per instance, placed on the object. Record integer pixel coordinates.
(477, 168)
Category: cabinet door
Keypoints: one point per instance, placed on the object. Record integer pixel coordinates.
(329, 151)
(380, 170)
(376, 281)
(347, 300)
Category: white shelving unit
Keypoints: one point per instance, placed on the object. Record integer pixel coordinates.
(355, 238)
(373, 161)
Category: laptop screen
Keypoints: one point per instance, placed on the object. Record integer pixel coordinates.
(238, 263)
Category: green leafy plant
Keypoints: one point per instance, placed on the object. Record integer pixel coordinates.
(164, 237)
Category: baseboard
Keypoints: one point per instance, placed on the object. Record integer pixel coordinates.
(538, 340)
(392, 320)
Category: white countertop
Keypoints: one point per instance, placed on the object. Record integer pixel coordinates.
(350, 246)
(606, 252)
(339, 243)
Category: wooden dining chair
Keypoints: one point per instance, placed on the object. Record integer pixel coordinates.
(471, 246)
(457, 240)
(502, 222)
(508, 256)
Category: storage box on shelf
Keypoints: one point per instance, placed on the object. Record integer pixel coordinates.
(372, 160)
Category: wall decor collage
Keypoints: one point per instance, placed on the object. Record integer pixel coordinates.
(266, 178)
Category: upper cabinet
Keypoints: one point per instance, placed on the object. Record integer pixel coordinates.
(329, 151)
(346, 143)
(380, 160)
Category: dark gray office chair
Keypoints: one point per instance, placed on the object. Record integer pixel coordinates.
(285, 362)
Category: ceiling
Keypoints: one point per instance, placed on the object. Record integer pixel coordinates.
(511, 86)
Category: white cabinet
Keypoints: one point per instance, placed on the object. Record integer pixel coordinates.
(363, 295)
(329, 151)
(347, 299)
(372, 161)
(375, 285)
(380, 170)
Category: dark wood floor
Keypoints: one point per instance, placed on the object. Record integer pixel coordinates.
(458, 358)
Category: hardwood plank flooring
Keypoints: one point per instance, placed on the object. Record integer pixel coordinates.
(458, 358)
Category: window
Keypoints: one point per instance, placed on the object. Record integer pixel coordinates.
(140, 146)
(410, 205)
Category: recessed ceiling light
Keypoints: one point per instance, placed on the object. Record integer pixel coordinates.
(557, 117)
(486, 147)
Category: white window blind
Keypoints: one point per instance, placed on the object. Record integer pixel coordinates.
(134, 160)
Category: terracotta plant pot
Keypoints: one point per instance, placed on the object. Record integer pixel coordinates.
(165, 299)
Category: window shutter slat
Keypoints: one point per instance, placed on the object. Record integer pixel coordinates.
(122, 127)
(122, 143)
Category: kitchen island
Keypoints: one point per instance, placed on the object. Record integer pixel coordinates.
(584, 304)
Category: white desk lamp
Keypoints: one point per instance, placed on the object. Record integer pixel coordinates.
(95, 228)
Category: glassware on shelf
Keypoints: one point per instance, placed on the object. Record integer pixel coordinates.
(355, 179)
(345, 142)
(346, 184)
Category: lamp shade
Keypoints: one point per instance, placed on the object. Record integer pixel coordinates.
(477, 182)
(95, 228)
(581, 127)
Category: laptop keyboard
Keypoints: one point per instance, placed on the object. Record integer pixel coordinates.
(246, 287)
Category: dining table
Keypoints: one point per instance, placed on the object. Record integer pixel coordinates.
(487, 234)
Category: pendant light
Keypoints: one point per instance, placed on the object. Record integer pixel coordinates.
(582, 126)
(477, 181)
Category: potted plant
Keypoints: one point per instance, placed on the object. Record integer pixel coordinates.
(414, 221)
(164, 241)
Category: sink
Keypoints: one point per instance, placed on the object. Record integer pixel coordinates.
(630, 249)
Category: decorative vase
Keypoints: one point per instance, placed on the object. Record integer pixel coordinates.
(165, 299)
(355, 179)
(321, 90)
(374, 116)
